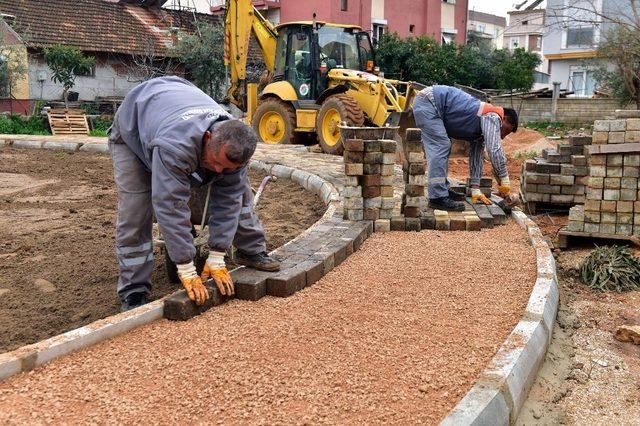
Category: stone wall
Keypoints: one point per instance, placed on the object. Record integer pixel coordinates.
(570, 110)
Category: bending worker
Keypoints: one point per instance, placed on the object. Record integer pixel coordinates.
(167, 136)
(443, 112)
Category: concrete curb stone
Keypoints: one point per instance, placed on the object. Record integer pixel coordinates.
(65, 146)
(498, 396)
(35, 144)
(95, 147)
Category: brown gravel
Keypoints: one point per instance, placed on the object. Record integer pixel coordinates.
(384, 338)
(57, 224)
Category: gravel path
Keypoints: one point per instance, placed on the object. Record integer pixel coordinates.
(384, 338)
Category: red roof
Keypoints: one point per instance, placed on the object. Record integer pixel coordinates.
(98, 25)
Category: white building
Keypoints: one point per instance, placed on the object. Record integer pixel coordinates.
(487, 26)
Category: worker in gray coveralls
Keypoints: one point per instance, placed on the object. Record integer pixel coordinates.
(442, 113)
(167, 136)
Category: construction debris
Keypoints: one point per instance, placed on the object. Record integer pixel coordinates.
(628, 334)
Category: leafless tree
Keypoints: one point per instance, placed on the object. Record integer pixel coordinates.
(617, 23)
(149, 63)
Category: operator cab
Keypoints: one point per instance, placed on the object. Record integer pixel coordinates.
(305, 56)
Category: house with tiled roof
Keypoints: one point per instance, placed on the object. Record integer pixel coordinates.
(129, 39)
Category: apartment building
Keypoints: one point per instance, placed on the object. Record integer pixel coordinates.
(487, 27)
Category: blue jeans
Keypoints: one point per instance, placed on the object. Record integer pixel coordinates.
(437, 145)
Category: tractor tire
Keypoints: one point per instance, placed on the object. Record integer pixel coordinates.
(334, 110)
(274, 122)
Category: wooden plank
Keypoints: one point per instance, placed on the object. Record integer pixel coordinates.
(68, 122)
(613, 148)
(564, 237)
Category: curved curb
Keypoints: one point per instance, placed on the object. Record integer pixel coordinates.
(498, 395)
(28, 357)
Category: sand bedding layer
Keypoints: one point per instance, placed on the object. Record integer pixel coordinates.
(397, 334)
(57, 225)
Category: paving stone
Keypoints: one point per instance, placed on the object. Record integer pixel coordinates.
(386, 191)
(353, 145)
(286, 282)
(387, 180)
(373, 203)
(473, 223)
(327, 259)
(398, 223)
(561, 179)
(386, 213)
(371, 214)
(352, 203)
(372, 169)
(352, 191)
(412, 211)
(414, 190)
(443, 221)
(428, 220)
(417, 169)
(457, 221)
(353, 169)
(546, 168)
(499, 217)
(387, 170)
(388, 146)
(314, 271)
(353, 157)
(372, 145)
(371, 180)
(179, 307)
(250, 284)
(340, 250)
(373, 158)
(412, 224)
(483, 214)
(389, 159)
(371, 191)
(353, 214)
(382, 225)
(348, 180)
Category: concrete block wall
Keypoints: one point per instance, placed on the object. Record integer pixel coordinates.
(570, 110)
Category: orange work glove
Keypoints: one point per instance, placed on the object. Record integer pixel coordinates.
(504, 188)
(192, 283)
(215, 268)
(478, 197)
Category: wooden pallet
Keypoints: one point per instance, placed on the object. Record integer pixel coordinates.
(566, 237)
(68, 122)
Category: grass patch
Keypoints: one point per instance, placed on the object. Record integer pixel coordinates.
(526, 155)
(554, 128)
(20, 125)
(98, 133)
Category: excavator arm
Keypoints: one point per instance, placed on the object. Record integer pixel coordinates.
(242, 20)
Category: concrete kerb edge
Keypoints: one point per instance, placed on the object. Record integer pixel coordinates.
(499, 394)
(28, 357)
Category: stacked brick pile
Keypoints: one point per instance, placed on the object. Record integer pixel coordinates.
(413, 198)
(559, 177)
(612, 203)
(368, 186)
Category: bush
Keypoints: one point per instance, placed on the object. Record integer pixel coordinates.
(101, 124)
(19, 125)
(611, 268)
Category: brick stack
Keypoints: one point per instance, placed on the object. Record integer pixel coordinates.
(485, 186)
(612, 203)
(368, 190)
(559, 177)
(414, 169)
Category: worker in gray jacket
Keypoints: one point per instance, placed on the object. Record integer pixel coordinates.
(442, 113)
(167, 136)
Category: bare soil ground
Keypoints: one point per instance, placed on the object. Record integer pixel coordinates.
(516, 146)
(57, 219)
(395, 335)
(588, 377)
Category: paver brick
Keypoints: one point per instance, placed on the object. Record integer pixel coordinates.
(412, 224)
(250, 284)
(398, 223)
(371, 180)
(372, 169)
(371, 191)
(287, 282)
(382, 225)
(388, 146)
(354, 145)
(414, 190)
(353, 169)
(373, 158)
(179, 307)
(411, 211)
(372, 145)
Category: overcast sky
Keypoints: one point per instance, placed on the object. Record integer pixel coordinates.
(496, 7)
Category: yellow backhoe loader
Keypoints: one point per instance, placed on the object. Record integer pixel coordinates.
(319, 74)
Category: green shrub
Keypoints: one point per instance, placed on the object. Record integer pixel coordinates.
(100, 133)
(19, 125)
(611, 268)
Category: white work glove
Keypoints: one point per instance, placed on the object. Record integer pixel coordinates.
(216, 269)
(192, 283)
(504, 187)
(478, 197)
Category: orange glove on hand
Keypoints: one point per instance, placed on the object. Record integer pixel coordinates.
(192, 283)
(215, 268)
(504, 188)
(478, 197)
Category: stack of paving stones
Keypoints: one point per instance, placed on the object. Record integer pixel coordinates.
(368, 184)
(612, 205)
(559, 177)
(413, 197)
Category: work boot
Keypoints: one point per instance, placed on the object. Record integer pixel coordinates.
(134, 300)
(456, 196)
(259, 261)
(446, 203)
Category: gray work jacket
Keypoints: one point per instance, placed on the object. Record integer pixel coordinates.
(163, 121)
